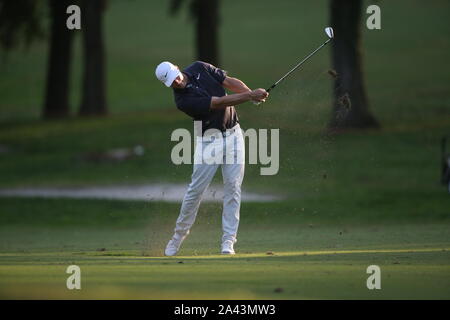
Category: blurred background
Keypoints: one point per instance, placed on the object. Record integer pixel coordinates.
(360, 124)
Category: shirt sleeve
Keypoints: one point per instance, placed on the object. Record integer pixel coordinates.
(194, 106)
(215, 72)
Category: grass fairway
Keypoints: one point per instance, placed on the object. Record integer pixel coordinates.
(406, 274)
(414, 270)
(119, 246)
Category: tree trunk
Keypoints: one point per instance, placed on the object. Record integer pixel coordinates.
(350, 107)
(93, 96)
(56, 104)
(207, 26)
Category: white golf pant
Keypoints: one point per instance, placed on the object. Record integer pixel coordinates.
(228, 151)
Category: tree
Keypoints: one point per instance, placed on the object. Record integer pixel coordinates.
(56, 103)
(350, 106)
(205, 14)
(94, 85)
(20, 21)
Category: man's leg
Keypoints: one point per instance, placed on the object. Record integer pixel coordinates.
(201, 178)
(233, 174)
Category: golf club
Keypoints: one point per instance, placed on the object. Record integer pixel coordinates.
(330, 33)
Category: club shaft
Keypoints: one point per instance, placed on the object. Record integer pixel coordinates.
(298, 65)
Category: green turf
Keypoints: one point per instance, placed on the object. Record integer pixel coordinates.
(301, 275)
(119, 247)
(371, 196)
(306, 263)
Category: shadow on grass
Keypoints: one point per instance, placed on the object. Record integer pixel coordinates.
(278, 256)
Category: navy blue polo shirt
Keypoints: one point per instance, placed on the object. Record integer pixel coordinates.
(204, 82)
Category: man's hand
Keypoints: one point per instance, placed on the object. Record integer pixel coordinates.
(259, 95)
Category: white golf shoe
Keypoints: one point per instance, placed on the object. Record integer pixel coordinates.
(174, 244)
(227, 247)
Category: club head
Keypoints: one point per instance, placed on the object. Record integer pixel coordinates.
(329, 31)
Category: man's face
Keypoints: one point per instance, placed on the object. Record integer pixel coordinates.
(178, 82)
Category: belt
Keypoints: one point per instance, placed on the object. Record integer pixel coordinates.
(225, 133)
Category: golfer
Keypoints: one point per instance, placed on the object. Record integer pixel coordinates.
(199, 91)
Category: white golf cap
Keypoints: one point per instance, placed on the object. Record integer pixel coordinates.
(166, 72)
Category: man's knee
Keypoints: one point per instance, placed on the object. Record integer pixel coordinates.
(195, 190)
(232, 186)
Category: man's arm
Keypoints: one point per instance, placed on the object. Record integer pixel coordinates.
(242, 94)
(235, 85)
(234, 99)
